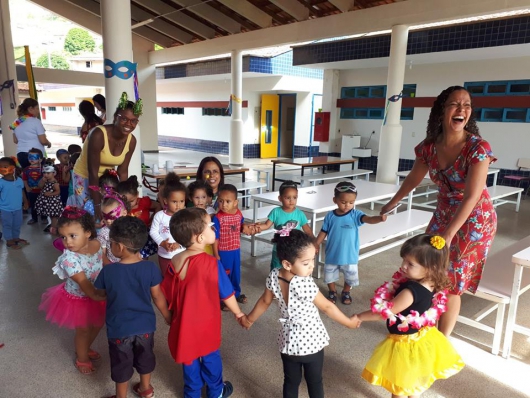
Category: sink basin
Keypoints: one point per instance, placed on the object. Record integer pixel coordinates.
(361, 152)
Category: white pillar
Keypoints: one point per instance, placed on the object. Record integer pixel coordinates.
(117, 46)
(7, 72)
(390, 141)
(330, 93)
(235, 146)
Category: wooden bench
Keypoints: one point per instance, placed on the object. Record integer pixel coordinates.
(312, 179)
(496, 286)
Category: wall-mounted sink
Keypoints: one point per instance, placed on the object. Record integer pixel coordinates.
(361, 152)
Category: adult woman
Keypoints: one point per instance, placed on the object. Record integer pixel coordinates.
(28, 131)
(87, 110)
(457, 160)
(211, 171)
(106, 147)
(101, 106)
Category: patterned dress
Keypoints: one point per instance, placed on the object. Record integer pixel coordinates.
(470, 245)
(50, 206)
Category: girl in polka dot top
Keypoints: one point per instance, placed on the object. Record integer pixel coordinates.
(302, 335)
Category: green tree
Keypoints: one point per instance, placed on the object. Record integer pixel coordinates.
(58, 61)
(78, 40)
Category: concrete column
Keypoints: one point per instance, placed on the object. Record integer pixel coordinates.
(235, 146)
(390, 141)
(147, 90)
(117, 46)
(7, 72)
(330, 93)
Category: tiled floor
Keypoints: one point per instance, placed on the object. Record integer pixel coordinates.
(37, 359)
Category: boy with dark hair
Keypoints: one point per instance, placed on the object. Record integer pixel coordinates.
(31, 177)
(229, 225)
(131, 322)
(193, 284)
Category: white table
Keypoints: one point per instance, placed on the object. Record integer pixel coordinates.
(313, 179)
(521, 261)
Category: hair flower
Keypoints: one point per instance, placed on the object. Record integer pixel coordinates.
(438, 242)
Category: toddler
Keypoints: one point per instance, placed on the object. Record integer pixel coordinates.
(48, 203)
(113, 206)
(31, 176)
(201, 195)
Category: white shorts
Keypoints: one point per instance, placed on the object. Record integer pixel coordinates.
(350, 271)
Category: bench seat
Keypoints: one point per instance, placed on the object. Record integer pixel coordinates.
(263, 213)
(314, 178)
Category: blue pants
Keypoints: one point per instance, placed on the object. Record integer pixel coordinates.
(231, 261)
(32, 198)
(11, 222)
(207, 369)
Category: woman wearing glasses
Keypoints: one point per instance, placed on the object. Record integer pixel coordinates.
(106, 147)
(457, 160)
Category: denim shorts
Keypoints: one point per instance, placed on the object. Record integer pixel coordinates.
(350, 271)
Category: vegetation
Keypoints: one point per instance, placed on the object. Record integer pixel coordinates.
(58, 61)
(78, 40)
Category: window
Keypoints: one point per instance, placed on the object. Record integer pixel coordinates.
(172, 111)
(52, 108)
(67, 109)
(268, 127)
(215, 112)
(88, 64)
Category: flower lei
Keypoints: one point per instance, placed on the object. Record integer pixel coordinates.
(381, 304)
(18, 122)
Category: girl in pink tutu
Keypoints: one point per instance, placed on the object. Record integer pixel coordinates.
(76, 303)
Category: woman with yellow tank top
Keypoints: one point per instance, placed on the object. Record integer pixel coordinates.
(106, 147)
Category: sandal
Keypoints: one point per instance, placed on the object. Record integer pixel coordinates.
(22, 242)
(13, 246)
(94, 355)
(346, 298)
(332, 296)
(85, 368)
(242, 299)
(149, 393)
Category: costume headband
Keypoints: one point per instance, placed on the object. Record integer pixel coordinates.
(286, 229)
(346, 188)
(114, 214)
(137, 107)
(48, 169)
(438, 242)
(73, 213)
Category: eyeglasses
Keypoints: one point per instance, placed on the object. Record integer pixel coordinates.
(346, 188)
(126, 120)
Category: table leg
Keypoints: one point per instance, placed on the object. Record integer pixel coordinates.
(409, 201)
(518, 202)
(252, 238)
(495, 175)
(273, 175)
(512, 311)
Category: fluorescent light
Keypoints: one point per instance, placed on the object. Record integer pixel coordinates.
(147, 21)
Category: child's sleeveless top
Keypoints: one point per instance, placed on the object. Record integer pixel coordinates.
(302, 331)
(70, 263)
(422, 302)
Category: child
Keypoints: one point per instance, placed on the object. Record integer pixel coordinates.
(201, 195)
(130, 284)
(415, 353)
(302, 336)
(107, 182)
(71, 164)
(193, 285)
(74, 304)
(285, 217)
(74, 148)
(342, 249)
(229, 224)
(12, 200)
(141, 208)
(174, 194)
(63, 173)
(113, 206)
(160, 194)
(48, 203)
(31, 176)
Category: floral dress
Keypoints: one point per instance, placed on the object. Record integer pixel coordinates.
(470, 245)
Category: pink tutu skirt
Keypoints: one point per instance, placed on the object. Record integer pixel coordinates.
(69, 311)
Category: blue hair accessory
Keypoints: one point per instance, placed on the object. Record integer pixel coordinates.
(33, 156)
(122, 69)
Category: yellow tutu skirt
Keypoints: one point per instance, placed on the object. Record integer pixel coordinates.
(409, 364)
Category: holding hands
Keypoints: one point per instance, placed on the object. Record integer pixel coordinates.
(243, 321)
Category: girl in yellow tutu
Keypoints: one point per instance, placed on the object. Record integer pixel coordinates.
(414, 353)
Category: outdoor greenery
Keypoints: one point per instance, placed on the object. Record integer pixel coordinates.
(78, 40)
(58, 61)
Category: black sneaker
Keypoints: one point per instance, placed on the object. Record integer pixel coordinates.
(228, 389)
(47, 229)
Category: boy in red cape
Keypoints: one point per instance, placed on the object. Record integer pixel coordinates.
(193, 285)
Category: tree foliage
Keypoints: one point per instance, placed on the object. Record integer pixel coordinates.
(78, 40)
(58, 61)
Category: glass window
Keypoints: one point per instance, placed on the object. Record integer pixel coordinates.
(347, 113)
(492, 115)
(361, 113)
(348, 92)
(496, 88)
(362, 92)
(407, 113)
(268, 127)
(476, 89)
(377, 92)
(515, 115)
(375, 113)
(519, 88)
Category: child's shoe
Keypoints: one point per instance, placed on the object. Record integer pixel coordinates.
(346, 298)
(228, 389)
(332, 296)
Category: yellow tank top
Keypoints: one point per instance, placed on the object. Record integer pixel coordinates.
(106, 160)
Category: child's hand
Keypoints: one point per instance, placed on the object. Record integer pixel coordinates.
(25, 206)
(317, 248)
(166, 245)
(217, 256)
(168, 319)
(244, 322)
(356, 322)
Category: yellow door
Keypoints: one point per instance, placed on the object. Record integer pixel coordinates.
(270, 109)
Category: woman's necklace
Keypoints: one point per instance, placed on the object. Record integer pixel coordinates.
(381, 304)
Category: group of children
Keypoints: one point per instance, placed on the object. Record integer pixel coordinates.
(199, 267)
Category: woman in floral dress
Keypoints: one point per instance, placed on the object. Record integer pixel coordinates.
(457, 160)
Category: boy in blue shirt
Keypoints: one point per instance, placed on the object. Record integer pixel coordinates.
(341, 226)
(131, 322)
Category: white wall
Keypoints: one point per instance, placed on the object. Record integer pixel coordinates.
(509, 141)
(65, 97)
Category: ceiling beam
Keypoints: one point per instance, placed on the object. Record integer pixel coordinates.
(154, 36)
(209, 13)
(293, 7)
(160, 8)
(411, 12)
(343, 5)
(249, 11)
(162, 26)
(73, 13)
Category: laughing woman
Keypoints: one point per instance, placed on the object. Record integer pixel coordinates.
(106, 147)
(457, 160)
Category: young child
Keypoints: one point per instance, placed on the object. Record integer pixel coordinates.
(107, 182)
(130, 284)
(285, 217)
(63, 173)
(229, 224)
(193, 285)
(12, 200)
(174, 200)
(415, 353)
(74, 148)
(74, 304)
(160, 194)
(201, 195)
(302, 335)
(71, 164)
(141, 208)
(48, 203)
(31, 176)
(341, 226)
(113, 206)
